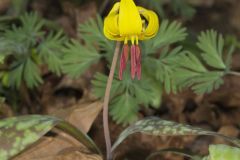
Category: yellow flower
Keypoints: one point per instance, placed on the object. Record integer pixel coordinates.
(128, 22)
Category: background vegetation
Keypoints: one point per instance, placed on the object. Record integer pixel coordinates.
(54, 55)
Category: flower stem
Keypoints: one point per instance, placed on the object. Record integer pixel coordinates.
(234, 73)
(106, 102)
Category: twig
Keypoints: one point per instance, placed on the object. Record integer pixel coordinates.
(234, 73)
(106, 102)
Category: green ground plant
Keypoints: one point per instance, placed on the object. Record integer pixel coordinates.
(168, 66)
(26, 47)
(202, 69)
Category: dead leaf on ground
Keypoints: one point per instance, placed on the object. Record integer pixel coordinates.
(60, 147)
(81, 115)
(228, 130)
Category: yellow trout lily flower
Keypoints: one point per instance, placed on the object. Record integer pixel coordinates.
(128, 22)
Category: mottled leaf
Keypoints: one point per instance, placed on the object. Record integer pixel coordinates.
(17, 133)
(158, 127)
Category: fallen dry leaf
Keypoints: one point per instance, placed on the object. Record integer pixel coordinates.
(60, 147)
(81, 115)
(73, 155)
(228, 130)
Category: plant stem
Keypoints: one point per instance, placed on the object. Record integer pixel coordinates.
(106, 102)
(234, 73)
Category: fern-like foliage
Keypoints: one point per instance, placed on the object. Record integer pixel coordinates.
(92, 33)
(178, 68)
(22, 38)
(168, 33)
(27, 46)
(127, 96)
(50, 51)
(165, 67)
(211, 44)
(78, 58)
(192, 72)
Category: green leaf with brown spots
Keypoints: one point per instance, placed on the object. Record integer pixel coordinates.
(18, 133)
(158, 127)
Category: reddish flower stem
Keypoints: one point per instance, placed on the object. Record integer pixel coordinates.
(106, 102)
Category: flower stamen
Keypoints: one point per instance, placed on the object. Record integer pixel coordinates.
(138, 62)
(123, 60)
(133, 61)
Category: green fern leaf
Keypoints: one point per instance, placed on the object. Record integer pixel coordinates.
(27, 71)
(206, 83)
(15, 76)
(192, 73)
(31, 74)
(212, 46)
(188, 60)
(22, 38)
(78, 58)
(165, 67)
(168, 33)
(127, 95)
(51, 51)
(100, 81)
(92, 32)
(124, 109)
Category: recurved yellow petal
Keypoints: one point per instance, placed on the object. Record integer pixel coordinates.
(129, 19)
(153, 23)
(115, 9)
(111, 28)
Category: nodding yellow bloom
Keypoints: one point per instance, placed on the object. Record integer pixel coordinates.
(128, 22)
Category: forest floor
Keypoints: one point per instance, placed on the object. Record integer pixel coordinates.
(218, 111)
